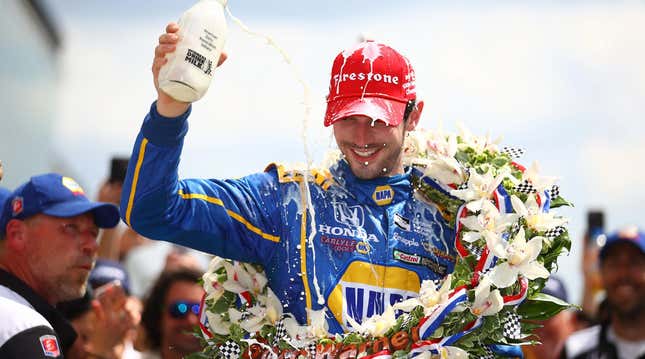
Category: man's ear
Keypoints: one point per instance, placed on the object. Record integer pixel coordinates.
(15, 235)
(415, 116)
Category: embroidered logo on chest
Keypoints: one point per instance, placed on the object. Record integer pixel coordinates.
(383, 195)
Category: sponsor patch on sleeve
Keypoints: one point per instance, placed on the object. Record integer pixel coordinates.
(49, 343)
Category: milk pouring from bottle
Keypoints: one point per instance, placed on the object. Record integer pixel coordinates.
(189, 70)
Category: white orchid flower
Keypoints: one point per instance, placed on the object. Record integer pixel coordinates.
(215, 289)
(318, 324)
(238, 280)
(445, 169)
(258, 280)
(216, 324)
(415, 146)
(540, 183)
(254, 322)
(429, 297)
(210, 277)
(272, 304)
(479, 144)
(376, 325)
(453, 353)
(479, 188)
(299, 336)
(520, 259)
(443, 145)
(486, 302)
(535, 218)
(488, 222)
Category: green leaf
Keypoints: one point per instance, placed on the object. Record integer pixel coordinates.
(559, 202)
(223, 303)
(542, 306)
(353, 338)
(237, 333)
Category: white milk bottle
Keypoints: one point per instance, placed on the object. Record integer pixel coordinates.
(189, 70)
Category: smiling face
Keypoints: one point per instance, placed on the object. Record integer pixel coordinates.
(372, 148)
(623, 275)
(177, 339)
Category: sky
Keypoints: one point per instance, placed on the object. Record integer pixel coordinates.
(564, 81)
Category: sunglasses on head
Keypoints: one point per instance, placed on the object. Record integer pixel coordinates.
(180, 309)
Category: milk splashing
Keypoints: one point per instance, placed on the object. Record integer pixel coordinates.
(370, 51)
(305, 125)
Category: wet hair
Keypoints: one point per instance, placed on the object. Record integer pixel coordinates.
(409, 107)
(154, 304)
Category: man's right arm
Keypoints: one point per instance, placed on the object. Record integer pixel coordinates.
(237, 219)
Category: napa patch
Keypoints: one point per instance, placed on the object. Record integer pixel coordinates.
(383, 195)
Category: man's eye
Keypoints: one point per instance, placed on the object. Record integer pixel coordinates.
(71, 229)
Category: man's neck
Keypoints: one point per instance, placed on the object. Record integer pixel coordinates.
(18, 269)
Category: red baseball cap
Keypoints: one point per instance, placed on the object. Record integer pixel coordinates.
(370, 79)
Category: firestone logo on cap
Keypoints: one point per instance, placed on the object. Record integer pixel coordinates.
(370, 79)
(17, 205)
(372, 69)
(73, 186)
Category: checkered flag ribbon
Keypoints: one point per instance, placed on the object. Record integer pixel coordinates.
(554, 232)
(230, 350)
(489, 354)
(407, 319)
(513, 152)
(525, 187)
(463, 186)
(512, 328)
(311, 349)
(554, 191)
(476, 250)
(280, 332)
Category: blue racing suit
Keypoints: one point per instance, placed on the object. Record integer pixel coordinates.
(358, 245)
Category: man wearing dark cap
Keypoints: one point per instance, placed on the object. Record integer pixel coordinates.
(47, 250)
(349, 239)
(622, 268)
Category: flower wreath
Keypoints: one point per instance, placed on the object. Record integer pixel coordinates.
(508, 239)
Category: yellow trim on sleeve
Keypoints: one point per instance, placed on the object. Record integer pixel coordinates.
(232, 214)
(303, 253)
(135, 179)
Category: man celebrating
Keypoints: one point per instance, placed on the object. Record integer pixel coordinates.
(47, 250)
(350, 239)
(622, 268)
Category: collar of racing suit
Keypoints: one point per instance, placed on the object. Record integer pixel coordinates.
(364, 191)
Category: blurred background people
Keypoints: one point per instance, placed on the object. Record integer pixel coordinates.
(103, 324)
(621, 334)
(48, 232)
(170, 315)
(555, 330)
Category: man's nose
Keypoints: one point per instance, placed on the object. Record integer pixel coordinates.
(362, 131)
(89, 243)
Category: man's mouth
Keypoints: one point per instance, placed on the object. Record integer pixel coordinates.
(365, 154)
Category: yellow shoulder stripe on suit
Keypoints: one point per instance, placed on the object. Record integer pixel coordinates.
(135, 180)
(233, 215)
(321, 177)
